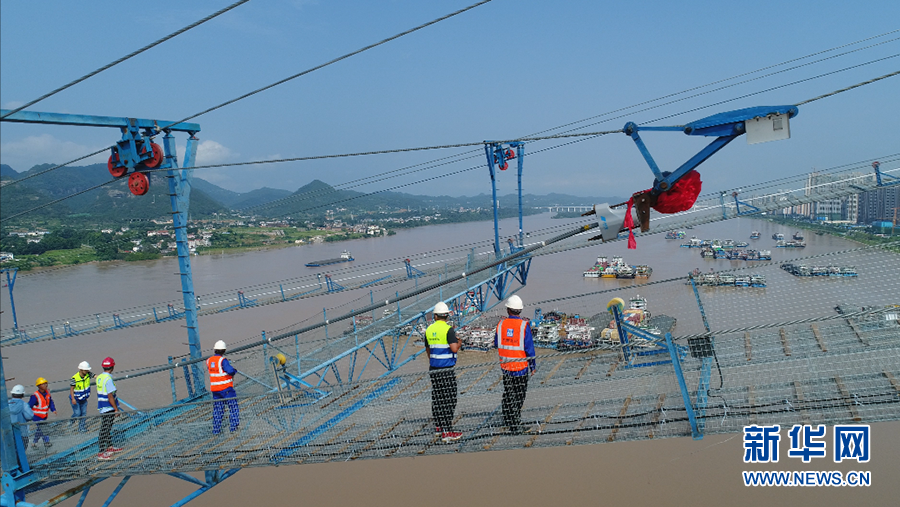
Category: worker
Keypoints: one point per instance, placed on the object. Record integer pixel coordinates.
(515, 346)
(41, 404)
(20, 412)
(441, 345)
(108, 405)
(221, 383)
(80, 392)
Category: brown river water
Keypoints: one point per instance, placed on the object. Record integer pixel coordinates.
(676, 471)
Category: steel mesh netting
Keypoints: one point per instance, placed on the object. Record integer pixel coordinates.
(830, 368)
(786, 193)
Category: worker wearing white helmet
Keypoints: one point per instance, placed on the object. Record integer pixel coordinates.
(441, 345)
(515, 346)
(19, 411)
(221, 383)
(80, 392)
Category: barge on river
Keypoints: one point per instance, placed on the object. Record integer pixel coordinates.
(345, 257)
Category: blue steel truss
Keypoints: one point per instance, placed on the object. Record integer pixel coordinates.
(132, 150)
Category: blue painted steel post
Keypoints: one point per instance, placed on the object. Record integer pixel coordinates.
(489, 151)
(179, 195)
(9, 450)
(172, 380)
(685, 396)
(10, 283)
(520, 154)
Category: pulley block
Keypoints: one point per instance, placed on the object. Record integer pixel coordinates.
(138, 183)
(116, 169)
(156, 155)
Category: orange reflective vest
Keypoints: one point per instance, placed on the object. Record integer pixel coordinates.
(511, 344)
(43, 406)
(218, 379)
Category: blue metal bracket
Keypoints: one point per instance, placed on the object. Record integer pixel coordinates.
(118, 323)
(498, 156)
(243, 302)
(878, 176)
(725, 127)
(10, 284)
(750, 209)
(332, 285)
(411, 272)
(172, 314)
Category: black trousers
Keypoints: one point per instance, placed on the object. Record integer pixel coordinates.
(106, 424)
(443, 397)
(514, 389)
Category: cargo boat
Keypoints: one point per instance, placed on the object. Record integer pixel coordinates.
(345, 257)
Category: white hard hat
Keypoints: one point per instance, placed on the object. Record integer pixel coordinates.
(84, 366)
(514, 303)
(18, 389)
(220, 345)
(441, 309)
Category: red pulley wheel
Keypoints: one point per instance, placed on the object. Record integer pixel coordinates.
(504, 166)
(509, 154)
(138, 183)
(156, 158)
(115, 169)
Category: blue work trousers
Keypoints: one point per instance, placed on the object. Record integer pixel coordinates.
(222, 398)
(79, 409)
(38, 431)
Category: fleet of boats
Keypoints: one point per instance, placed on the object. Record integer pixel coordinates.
(729, 279)
(819, 270)
(617, 268)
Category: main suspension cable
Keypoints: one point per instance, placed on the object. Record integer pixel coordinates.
(126, 57)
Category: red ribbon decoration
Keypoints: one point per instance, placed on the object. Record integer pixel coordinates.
(629, 223)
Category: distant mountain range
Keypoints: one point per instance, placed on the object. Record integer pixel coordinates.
(115, 203)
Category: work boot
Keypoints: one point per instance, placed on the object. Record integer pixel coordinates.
(450, 436)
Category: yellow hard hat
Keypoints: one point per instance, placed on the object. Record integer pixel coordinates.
(40, 380)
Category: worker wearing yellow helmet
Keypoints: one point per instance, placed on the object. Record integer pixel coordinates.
(41, 404)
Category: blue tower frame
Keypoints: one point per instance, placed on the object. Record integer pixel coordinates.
(136, 133)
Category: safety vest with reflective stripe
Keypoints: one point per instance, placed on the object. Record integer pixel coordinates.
(43, 406)
(218, 379)
(105, 386)
(82, 386)
(436, 335)
(511, 344)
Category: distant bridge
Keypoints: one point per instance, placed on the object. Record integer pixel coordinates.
(570, 208)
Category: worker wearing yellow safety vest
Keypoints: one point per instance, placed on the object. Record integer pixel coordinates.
(515, 346)
(80, 392)
(441, 345)
(221, 383)
(41, 404)
(108, 406)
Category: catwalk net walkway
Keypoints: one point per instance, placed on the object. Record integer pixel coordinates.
(816, 349)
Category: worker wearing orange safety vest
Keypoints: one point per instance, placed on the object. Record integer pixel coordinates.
(515, 346)
(41, 404)
(221, 383)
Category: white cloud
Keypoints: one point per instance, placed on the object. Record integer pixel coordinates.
(211, 152)
(12, 104)
(23, 154)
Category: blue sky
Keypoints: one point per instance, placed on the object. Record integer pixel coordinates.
(503, 70)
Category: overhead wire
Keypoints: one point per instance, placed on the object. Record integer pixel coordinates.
(126, 57)
(527, 138)
(264, 88)
(588, 135)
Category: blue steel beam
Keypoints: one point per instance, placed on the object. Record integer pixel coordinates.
(85, 120)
